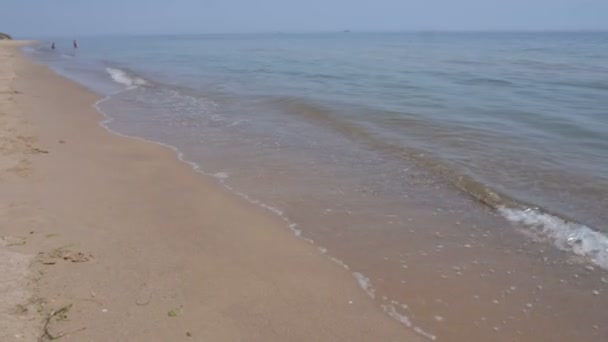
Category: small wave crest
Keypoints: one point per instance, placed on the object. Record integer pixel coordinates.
(568, 236)
(124, 78)
(484, 81)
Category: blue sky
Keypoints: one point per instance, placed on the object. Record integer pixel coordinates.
(35, 18)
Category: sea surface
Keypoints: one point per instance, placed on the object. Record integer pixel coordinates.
(461, 177)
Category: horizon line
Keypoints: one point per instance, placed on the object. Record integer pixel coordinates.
(346, 31)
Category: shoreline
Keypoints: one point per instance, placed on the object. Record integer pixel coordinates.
(141, 247)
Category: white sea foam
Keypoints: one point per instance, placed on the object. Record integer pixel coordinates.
(425, 334)
(220, 175)
(365, 284)
(339, 262)
(394, 313)
(568, 236)
(120, 76)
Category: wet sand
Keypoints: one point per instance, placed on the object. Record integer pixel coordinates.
(136, 246)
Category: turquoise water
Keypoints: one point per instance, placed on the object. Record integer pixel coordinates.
(352, 137)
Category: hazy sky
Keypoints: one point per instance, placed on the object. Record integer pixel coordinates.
(34, 18)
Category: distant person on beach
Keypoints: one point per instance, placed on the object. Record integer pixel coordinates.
(75, 44)
(53, 46)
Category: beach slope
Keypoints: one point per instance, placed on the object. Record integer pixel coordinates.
(112, 238)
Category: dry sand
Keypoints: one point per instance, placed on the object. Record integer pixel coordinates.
(140, 247)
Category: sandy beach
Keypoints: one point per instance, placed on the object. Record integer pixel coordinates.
(108, 238)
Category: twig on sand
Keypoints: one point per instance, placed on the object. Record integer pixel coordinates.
(46, 335)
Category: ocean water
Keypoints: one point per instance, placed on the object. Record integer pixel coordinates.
(450, 172)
